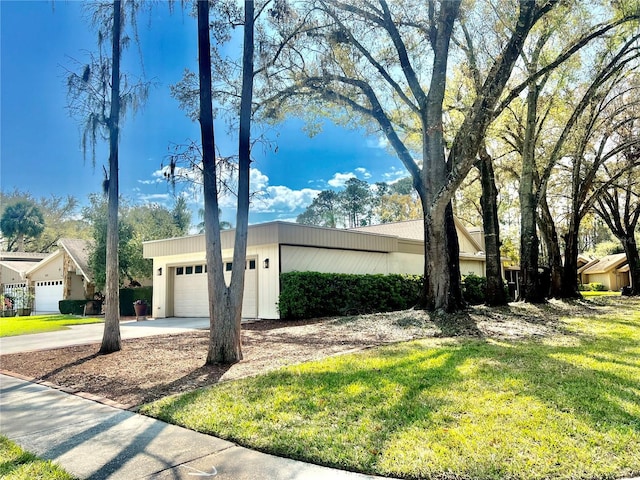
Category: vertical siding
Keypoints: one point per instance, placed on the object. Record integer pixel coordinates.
(470, 266)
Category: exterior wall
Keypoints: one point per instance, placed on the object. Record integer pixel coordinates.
(465, 244)
(52, 270)
(613, 281)
(470, 266)
(325, 260)
(76, 288)
(8, 275)
(408, 263)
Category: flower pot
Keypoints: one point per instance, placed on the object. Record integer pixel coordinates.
(8, 313)
(24, 312)
(141, 311)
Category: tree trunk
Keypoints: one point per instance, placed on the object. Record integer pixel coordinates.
(111, 337)
(529, 243)
(633, 258)
(547, 227)
(456, 299)
(495, 293)
(570, 271)
(225, 345)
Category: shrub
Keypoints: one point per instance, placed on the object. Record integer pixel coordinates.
(72, 307)
(314, 294)
(597, 287)
(474, 288)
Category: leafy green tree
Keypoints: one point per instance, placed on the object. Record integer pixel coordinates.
(21, 222)
(378, 65)
(356, 202)
(60, 219)
(323, 210)
(137, 224)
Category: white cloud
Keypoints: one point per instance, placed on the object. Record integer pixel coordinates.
(363, 172)
(395, 174)
(377, 142)
(339, 179)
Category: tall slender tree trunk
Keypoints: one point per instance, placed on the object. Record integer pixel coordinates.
(495, 293)
(111, 337)
(225, 345)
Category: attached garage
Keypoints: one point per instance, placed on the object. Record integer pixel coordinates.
(190, 297)
(47, 295)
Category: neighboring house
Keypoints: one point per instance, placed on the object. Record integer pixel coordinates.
(180, 280)
(13, 269)
(612, 271)
(62, 275)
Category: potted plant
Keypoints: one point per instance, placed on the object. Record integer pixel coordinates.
(140, 306)
(7, 306)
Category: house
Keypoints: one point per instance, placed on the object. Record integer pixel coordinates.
(13, 270)
(470, 241)
(180, 280)
(612, 271)
(62, 275)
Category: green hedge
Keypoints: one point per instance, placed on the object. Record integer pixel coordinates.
(474, 289)
(72, 307)
(127, 297)
(130, 295)
(313, 294)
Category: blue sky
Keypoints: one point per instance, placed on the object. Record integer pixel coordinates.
(40, 144)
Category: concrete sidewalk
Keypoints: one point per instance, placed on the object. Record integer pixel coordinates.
(95, 441)
(92, 333)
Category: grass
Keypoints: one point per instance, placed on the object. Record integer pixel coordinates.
(12, 326)
(16, 464)
(605, 293)
(562, 407)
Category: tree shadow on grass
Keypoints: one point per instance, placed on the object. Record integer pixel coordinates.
(408, 387)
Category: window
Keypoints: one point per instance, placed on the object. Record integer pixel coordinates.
(189, 270)
(228, 266)
(198, 268)
(180, 271)
(252, 264)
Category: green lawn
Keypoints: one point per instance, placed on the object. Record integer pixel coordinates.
(566, 407)
(606, 293)
(11, 326)
(16, 464)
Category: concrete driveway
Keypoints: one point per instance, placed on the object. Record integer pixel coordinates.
(92, 333)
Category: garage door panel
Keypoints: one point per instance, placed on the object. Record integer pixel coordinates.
(190, 290)
(47, 295)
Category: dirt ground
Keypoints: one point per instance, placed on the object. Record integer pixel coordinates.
(150, 368)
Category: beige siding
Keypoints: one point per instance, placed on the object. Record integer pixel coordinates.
(76, 292)
(52, 270)
(411, 264)
(468, 266)
(613, 281)
(303, 259)
(603, 278)
(8, 275)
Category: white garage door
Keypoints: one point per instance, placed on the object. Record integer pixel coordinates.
(48, 294)
(190, 290)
